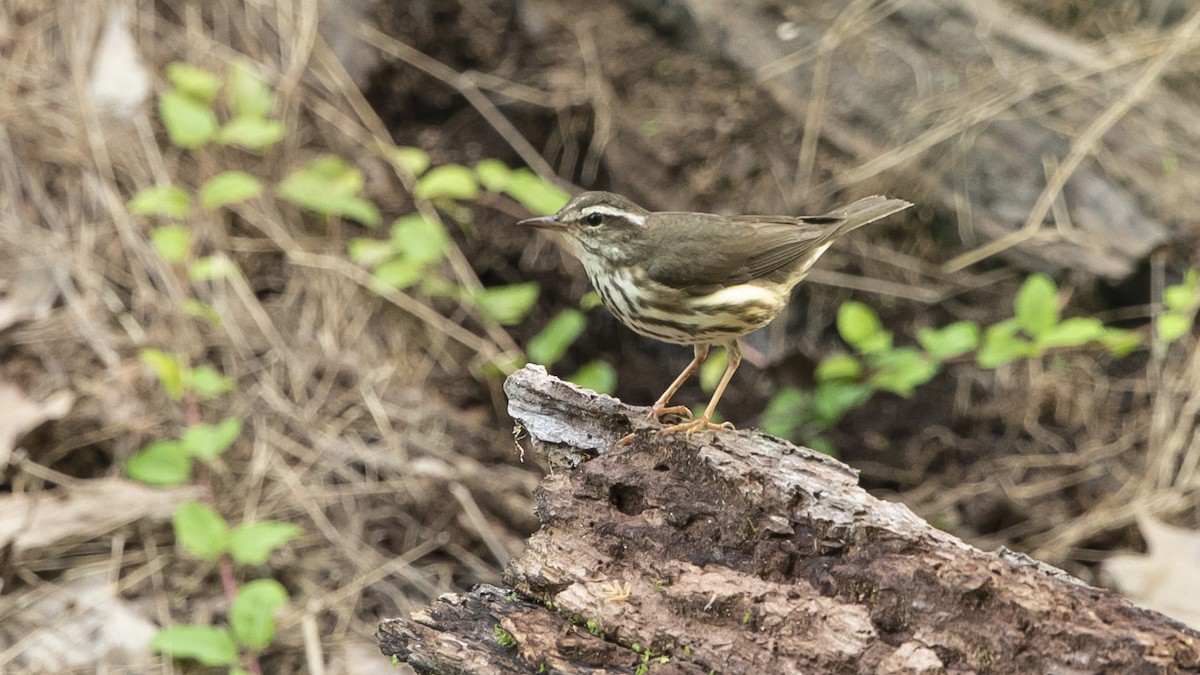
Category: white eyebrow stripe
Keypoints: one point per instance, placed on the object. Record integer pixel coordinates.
(616, 213)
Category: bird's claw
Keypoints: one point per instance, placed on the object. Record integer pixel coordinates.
(690, 427)
(657, 414)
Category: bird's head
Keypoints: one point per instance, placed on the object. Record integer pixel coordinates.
(602, 224)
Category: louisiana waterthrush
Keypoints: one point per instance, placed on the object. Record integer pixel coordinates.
(699, 279)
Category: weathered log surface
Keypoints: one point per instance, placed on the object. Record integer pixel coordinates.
(739, 552)
(983, 100)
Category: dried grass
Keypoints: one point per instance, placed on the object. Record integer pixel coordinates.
(347, 435)
(356, 427)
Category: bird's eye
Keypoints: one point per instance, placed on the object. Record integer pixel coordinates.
(594, 219)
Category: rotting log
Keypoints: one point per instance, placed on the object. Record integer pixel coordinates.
(741, 553)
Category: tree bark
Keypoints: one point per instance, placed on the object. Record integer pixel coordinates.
(737, 552)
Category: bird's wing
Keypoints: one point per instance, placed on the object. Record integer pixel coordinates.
(750, 247)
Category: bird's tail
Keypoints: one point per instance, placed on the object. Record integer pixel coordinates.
(863, 211)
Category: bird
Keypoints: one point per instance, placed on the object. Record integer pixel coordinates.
(698, 279)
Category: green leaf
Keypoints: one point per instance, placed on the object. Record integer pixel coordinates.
(253, 543)
(785, 412)
(168, 368)
(1172, 326)
(953, 340)
(599, 376)
(248, 95)
(208, 441)
(822, 445)
(252, 614)
(369, 252)
(549, 345)
(211, 267)
(589, 301)
(1073, 332)
(201, 531)
(449, 181)
(535, 194)
(329, 186)
(168, 201)
(838, 367)
(493, 174)
(209, 645)
(207, 382)
(202, 310)
(1036, 305)
(832, 399)
(251, 133)
(507, 305)
(190, 123)
(1001, 344)
(172, 242)
(902, 370)
(420, 239)
(412, 160)
(1120, 342)
(399, 272)
(712, 370)
(162, 462)
(861, 328)
(229, 187)
(196, 82)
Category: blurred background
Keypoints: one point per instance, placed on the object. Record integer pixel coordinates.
(260, 283)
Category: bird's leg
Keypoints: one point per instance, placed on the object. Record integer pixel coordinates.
(734, 349)
(660, 406)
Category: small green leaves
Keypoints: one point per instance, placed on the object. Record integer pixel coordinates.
(420, 239)
(172, 242)
(950, 341)
(167, 201)
(1074, 332)
(229, 187)
(1180, 304)
(507, 305)
(534, 193)
(207, 383)
(901, 370)
(839, 367)
(785, 412)
(211, 267)
(168, 368)
(1001, 344)
(193, 81)
(493, 174)
(249, 97)
(190, 123)
(201, 531)
(160, 463)
(596, 375)
(209, 645)
(253, 543)
(549, 345)
(861, 328)
(712, 370)
(1036, 305)
(208, 441)
(449, 181)
(252, 614)
(413, 160)
(251, 133)
(329, 186)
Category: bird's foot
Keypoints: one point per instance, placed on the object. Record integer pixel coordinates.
(657, 413)
(692, 426)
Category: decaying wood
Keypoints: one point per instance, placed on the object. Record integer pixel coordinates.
(738, 552)
(984, 101)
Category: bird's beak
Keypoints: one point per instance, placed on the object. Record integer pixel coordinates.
(543, 223)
